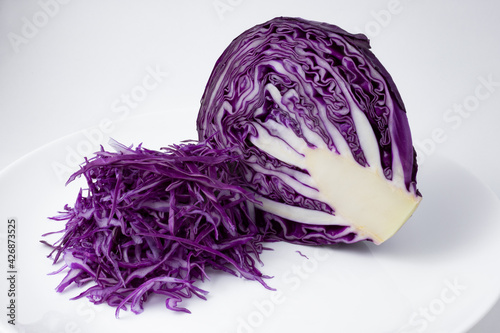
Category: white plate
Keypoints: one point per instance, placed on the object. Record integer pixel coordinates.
(439, 273)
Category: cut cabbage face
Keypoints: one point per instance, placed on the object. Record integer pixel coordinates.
(364, 200)
(323, 130)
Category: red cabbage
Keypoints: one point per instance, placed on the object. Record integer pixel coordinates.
(303, 137)
(156, 222)
(323, 130)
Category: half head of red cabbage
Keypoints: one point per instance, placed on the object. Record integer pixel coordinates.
(322, 128)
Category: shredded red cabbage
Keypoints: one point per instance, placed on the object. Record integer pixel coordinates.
(156, 222)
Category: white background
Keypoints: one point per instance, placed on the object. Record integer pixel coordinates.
(66, 66)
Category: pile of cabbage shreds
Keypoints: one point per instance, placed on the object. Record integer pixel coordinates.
(154, 222)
